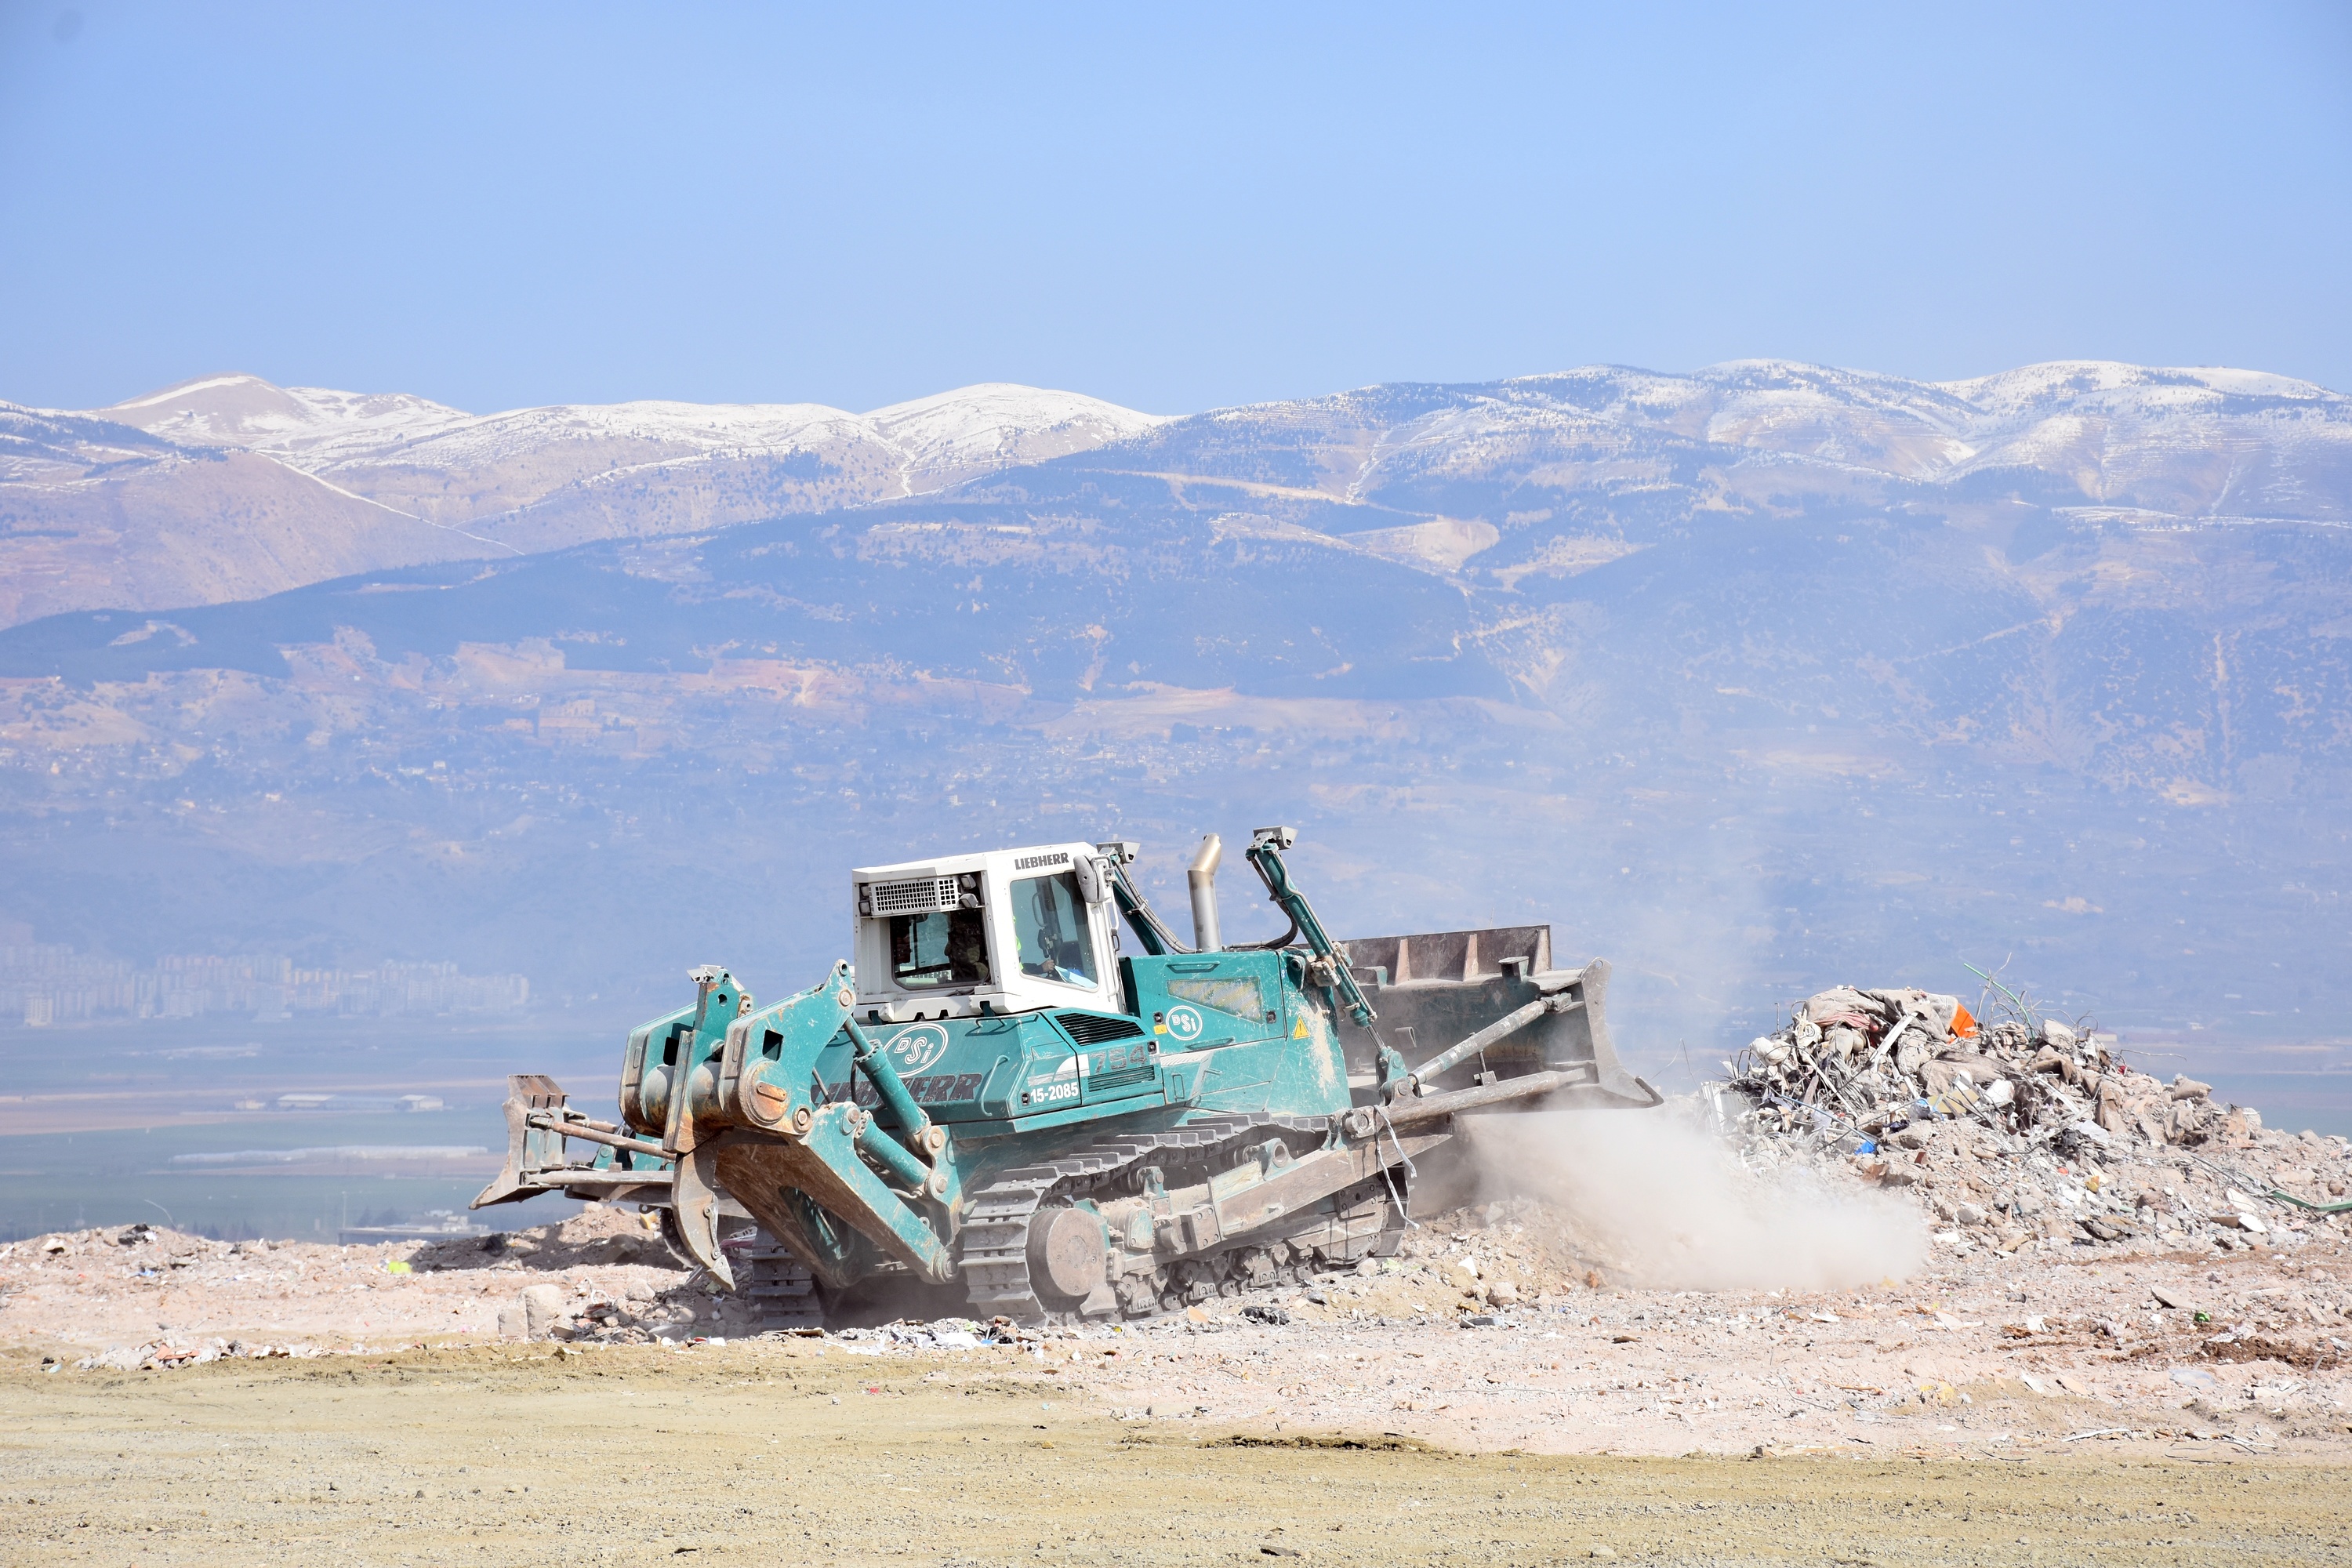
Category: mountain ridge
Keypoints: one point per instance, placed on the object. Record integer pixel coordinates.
(323, 430)
(109, 507)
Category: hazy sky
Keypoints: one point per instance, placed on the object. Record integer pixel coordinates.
(1174, 207)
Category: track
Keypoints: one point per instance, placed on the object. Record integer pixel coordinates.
(993, 1245)
(995, 1242)
(781, 1291)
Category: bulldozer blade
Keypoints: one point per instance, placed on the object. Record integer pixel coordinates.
(694, 1198)
(1481, 989)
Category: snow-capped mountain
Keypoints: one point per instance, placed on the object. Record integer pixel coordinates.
(2165, 444)
(308, 425)
(98, 512)
(228, 487)
(952, 435)
(536, 478)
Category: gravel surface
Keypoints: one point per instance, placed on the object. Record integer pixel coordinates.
(2187, 1350)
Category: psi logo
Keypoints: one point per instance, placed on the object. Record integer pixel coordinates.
(1183, 1025)
(914, 1049)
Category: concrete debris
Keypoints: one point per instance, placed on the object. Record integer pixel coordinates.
(2024, 1131)
(543, 1307)
(167, 1355)
(938, 1334)
(1878, 1060)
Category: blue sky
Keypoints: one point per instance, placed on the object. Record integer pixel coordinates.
(1173, 207)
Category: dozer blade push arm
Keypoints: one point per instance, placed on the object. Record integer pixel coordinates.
(1509, 1024)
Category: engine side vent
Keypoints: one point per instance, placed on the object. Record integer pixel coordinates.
(923, 896)
(1093, 1029)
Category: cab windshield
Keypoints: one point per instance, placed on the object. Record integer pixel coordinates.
(948, 947)
(1051, 928)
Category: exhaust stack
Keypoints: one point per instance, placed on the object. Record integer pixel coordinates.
(1203, 875)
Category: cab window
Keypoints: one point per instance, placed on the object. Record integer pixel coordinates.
(1050, 925)
(948, 947)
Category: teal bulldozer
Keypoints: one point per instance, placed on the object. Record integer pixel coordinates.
(1023, 1083)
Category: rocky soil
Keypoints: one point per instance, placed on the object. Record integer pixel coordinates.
(144, 1293)
(1494, 1327)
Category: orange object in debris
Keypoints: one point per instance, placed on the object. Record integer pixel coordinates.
(1964, 1023)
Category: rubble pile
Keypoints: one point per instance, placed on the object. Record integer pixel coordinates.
(2025, 1129)
(1873, 1059)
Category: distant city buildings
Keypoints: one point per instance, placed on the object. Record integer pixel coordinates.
(42, 985)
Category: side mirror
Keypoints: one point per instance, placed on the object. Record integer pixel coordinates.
(1093, 879)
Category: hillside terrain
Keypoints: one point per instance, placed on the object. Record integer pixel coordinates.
(1752, 680)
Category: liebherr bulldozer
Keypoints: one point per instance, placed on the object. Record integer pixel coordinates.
(1002, 1090)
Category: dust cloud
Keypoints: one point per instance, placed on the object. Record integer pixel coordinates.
(1652, 1200)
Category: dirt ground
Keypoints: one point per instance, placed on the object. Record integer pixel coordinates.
(1490, 1395)
(799, 1451)
(2006, 1409)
